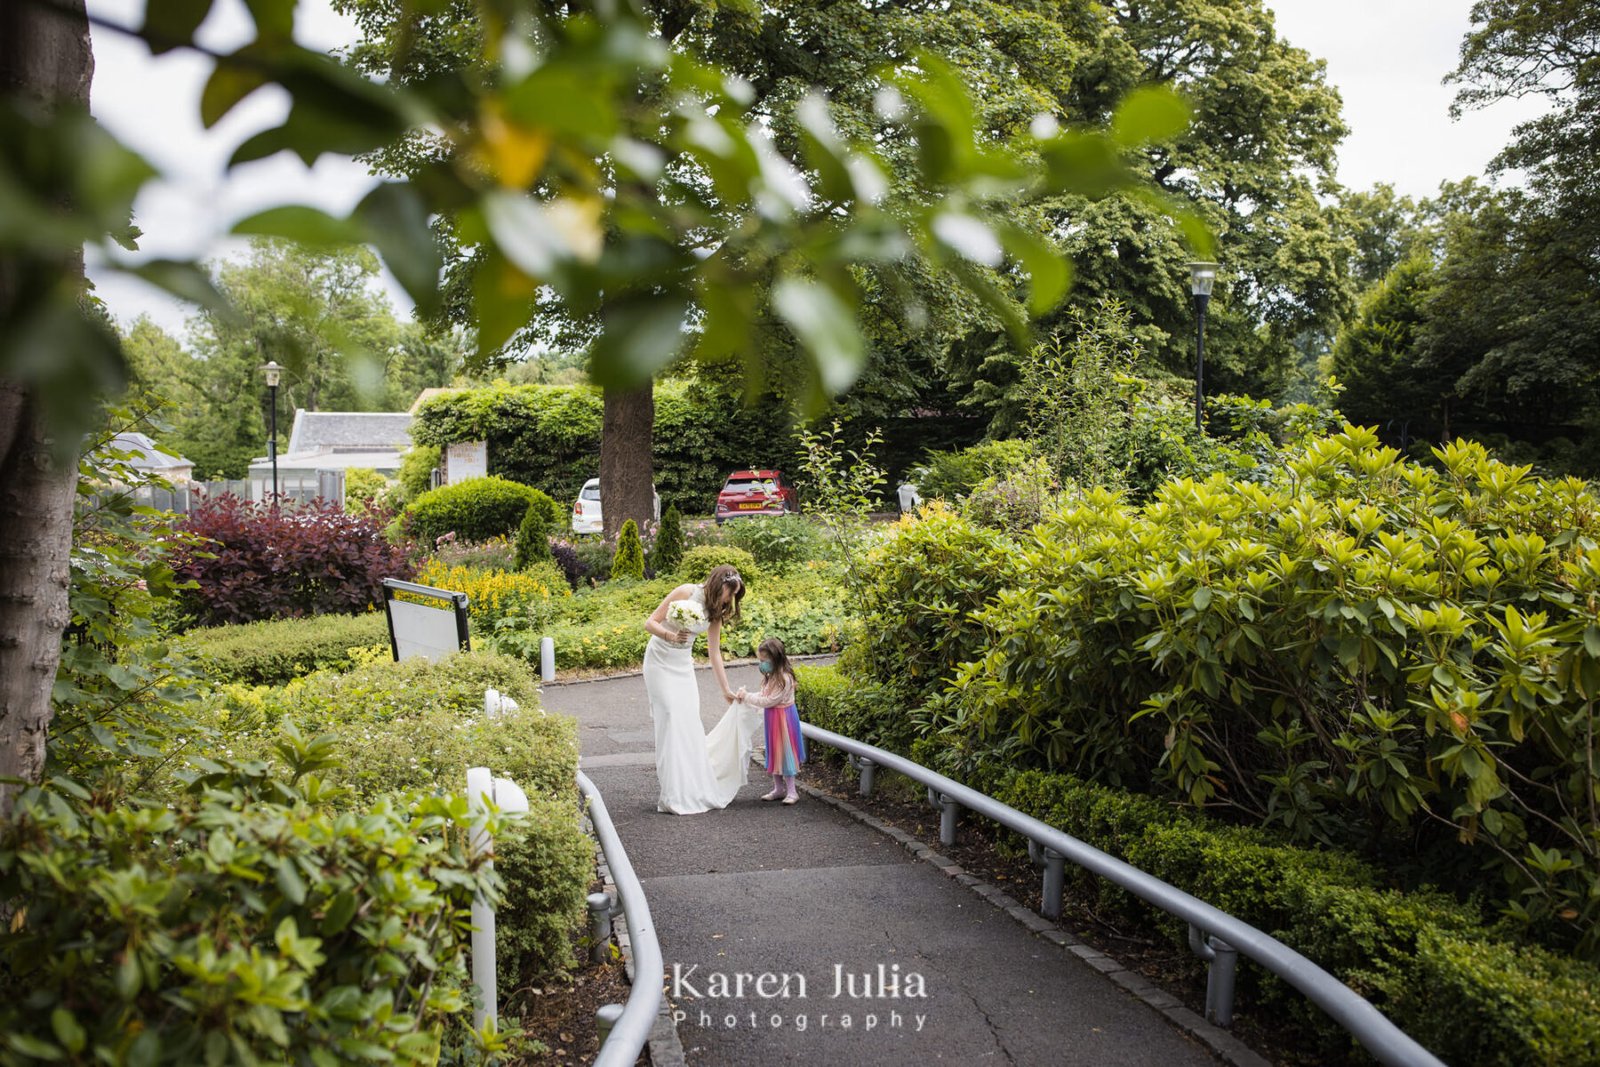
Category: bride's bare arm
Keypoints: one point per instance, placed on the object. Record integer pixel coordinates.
(657, 622)
(714, 645)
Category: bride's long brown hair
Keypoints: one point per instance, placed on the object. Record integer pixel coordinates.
(724, 590)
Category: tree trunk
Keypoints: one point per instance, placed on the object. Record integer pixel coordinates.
(44, 54)
(626, 474)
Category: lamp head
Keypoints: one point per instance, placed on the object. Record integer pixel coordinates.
(272, 371)
(1202, 276)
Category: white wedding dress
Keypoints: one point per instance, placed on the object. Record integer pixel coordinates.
(697, 771)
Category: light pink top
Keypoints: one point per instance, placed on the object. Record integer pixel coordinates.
(780, 695)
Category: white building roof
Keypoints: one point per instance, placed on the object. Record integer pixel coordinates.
(148, 457)
(349, 431)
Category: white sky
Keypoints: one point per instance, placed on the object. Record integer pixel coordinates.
(1386, 57)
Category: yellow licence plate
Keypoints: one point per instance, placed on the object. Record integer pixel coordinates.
(752, 507)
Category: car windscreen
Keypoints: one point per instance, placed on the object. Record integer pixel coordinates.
(590, 492)
(750, 487)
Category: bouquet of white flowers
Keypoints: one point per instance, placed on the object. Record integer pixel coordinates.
(687, 616)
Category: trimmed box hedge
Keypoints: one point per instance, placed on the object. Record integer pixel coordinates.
(276, 652)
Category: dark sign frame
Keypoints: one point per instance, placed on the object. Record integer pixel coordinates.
(391, 586)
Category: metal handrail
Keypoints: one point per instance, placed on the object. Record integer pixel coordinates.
(1214, 934)
(631, 1031)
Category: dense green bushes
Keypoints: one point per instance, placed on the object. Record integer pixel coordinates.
(246, 922)
(1428, 961)
(272, 653)
(701, 560)
(952, 475)
(777, 542)
(475, 510)
(1423, 958)
(549, 435)
(418, 726)
(1369, 653)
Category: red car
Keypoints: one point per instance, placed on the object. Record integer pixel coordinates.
(752, 493)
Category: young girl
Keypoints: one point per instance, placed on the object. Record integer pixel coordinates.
(786, 748)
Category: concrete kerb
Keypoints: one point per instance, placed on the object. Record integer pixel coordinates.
(1221, 1043)
(665, 1048)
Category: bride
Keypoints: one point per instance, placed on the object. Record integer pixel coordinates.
(697, 771)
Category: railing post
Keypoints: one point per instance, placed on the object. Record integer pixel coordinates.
(480, 787)
(1055, 879)
(868, 774)
(605, 1018)
(949, 810)
(1222, 961)
(602, 906)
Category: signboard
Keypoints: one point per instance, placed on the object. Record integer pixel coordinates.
(466, 459)
(431, 623)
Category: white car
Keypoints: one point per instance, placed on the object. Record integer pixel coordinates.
(586, 517)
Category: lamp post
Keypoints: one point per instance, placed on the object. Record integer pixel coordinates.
(273, 371)
(1201, 277)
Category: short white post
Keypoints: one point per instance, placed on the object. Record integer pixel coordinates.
(480, 788)
(547, 659)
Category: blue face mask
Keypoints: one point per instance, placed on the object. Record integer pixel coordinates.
(766, 666)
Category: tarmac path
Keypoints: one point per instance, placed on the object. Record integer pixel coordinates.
(798, 899)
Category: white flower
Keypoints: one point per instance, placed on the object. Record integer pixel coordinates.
(687, 615)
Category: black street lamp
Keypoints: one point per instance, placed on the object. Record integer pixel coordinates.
(1201, 277)
(273, 371)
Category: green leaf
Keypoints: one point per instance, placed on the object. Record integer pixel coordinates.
(1151, 113)
(396, 221)
(502, 302)
(306, 225)
(290, 882)
(639, 336)
(232, 79)
(1049, 271)
(185, 281)
(825, 324)
(170, 24)
(35, 1048)
(68, 1031)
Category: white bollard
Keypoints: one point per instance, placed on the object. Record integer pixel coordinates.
(496, 703)
(547, 659)
(480, 787)
(506, 795)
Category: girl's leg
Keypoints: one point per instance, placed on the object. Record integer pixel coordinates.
(777, 788)
(790, 796)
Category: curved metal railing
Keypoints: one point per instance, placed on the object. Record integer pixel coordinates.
(631, 1029)
(1214, 935)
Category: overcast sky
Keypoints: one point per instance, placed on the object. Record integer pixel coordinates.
(1386, 57)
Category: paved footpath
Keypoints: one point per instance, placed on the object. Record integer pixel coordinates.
(799, 892)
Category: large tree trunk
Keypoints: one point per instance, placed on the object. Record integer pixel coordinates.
(626, 474)
(44, 54)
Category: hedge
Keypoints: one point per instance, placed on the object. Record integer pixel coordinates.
(416, 725)
(474, 510)
(272, 653)
(549, 435)
(1428, 961)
